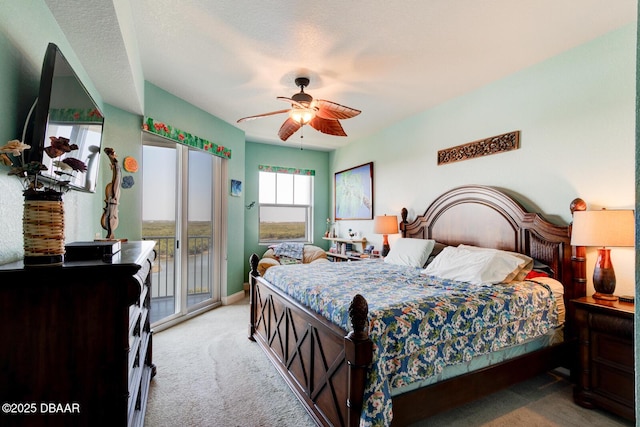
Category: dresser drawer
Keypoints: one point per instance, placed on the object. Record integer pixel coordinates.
(142, 274)
(612, 350)
(613, 384)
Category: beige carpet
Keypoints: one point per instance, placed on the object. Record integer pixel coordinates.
(210, 374)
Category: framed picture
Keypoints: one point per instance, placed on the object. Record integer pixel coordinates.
(236, 188)
(354, 193)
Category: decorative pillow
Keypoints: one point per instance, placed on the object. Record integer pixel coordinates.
(437, 248)
(535, 273)
(270, 253)
(410, 252)
(312, 253)
(476, 267)
(540, 269)
(518, 274)
(285, 260)
(290, 249)
(265, 263)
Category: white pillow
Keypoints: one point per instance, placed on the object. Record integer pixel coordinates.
(410, 252)
(519, 273)
(476, 267)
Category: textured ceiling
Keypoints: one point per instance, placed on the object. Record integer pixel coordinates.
(390, 59)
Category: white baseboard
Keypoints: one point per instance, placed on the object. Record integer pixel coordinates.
(231, 299)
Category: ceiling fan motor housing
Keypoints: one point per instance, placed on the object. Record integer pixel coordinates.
(302, 81)
(302, 98)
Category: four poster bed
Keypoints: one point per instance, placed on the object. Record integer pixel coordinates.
(335, 352)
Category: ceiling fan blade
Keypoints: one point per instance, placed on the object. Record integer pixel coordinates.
(330, 127)
(333, 111)
(288, 128)
(293, 102)
(273, 113)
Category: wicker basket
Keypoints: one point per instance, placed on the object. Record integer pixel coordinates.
(43, 229)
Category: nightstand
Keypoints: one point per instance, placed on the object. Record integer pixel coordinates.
(605, 356)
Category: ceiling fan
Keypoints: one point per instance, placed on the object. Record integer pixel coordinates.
(321, 115)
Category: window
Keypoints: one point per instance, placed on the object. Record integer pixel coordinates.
(285, 207)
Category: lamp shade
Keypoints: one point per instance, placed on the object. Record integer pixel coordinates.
(385, 224)
(603, 228)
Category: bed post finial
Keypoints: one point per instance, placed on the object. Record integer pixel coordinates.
(254, 259)
(578, 205)
(359, 317)
(358, 354)
(403, 224)
(578, 255)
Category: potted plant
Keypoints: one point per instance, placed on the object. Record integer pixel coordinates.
(43, 211)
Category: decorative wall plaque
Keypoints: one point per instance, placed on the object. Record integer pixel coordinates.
(482, 147)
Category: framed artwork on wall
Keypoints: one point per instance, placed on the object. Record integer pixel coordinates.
(354, 193)
(236, 188)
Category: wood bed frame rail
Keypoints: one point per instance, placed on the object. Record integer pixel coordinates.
(326, 367)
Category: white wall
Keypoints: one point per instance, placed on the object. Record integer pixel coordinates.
(576, 114)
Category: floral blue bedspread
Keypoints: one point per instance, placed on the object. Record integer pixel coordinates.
(418, 324)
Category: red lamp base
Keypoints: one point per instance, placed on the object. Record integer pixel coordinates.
(385, 245)
(604, 278)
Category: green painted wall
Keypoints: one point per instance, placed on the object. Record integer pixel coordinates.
(263, 154)
(122, 131)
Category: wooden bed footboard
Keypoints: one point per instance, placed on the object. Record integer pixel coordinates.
(324, 366)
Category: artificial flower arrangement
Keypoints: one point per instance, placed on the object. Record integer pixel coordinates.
(12, 154)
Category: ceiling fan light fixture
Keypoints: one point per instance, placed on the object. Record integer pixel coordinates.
(302, 115)
(324, 116)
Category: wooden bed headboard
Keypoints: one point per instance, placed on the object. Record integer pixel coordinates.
(487, 217)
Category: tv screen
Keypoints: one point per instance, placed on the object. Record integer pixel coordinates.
(65, 109)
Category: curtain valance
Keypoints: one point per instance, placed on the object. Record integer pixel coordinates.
(185, 138)
(282, 169)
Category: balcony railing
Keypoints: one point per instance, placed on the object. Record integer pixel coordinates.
(163, 280)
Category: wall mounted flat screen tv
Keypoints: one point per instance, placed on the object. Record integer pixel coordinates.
(64, 108)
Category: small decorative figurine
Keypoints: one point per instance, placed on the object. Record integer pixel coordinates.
(109, 220)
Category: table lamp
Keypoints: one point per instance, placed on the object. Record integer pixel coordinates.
(385, 225)
(603, 228)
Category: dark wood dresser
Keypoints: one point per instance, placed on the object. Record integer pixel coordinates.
(605, 356)
(76, 341)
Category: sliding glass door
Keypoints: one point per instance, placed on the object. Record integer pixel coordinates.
(181, 211)
(200, 258)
